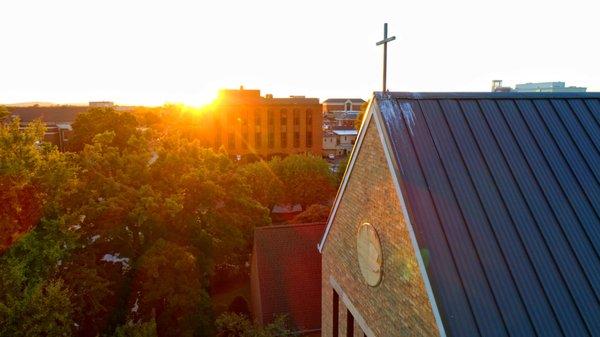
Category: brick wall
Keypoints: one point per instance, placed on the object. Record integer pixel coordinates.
(399, 305)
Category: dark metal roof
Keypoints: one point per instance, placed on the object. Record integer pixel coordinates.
(503, 190)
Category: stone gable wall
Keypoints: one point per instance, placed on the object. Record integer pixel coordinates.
(399, 305)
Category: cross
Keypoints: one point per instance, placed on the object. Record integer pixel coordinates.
(384, 42)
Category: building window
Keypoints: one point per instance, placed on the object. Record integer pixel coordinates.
(217, 135)
(296, 139)
(257, 140)
(283, 120)
(335, 326)
(257, 121)
(348, 106)
(308, 138)
(308, 119)
(283, 128)
(231, 141)
(271, 139)
(245, 140)
(349, 324)
(270, 117)
(296, 117)
(244, 118)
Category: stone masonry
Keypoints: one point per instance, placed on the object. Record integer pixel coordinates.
(399, 305)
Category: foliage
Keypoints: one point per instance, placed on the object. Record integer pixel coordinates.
(42, 310)
(123, 236)
(342, 169)
(98, 120)
(361, 116)
(4, 113)
(34, 177)
(306, 179)
(265, 185)
(314, 213)
(142, 329)
(168, 286)
(235, 325)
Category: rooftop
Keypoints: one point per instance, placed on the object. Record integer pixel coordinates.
(503, 191)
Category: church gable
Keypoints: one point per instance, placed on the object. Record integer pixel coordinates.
(384, 294)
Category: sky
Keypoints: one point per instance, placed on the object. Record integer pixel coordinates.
(152, 52)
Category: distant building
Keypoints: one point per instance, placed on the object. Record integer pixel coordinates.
(536, 87)
(547, 87)
(58, 120)
(341, 111)
(339, 141)
(285, 277)
(342, 104)
(101, 104)
(245, 123)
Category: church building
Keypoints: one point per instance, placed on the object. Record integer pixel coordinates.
(467, 214)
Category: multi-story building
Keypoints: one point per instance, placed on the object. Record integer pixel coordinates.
(245, 123)
(547, 87)
(341, 111)
(339, 142)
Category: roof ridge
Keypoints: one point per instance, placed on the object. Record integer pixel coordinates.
(290, 225)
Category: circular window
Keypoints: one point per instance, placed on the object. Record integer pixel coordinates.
(370, 258)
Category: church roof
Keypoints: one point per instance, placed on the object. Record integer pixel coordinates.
(503, 191)
(287, 268)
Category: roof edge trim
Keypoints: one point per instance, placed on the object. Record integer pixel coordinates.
(486, 95)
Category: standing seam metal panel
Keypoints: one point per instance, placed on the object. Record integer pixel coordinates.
(504, 190)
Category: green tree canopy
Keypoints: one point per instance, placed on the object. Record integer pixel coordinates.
(99, 120)
(307, 179)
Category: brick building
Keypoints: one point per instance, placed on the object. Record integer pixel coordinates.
(341, 111)
(468, 214)
(57, 119)
(243, 122)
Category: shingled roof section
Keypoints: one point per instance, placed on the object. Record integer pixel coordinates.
(503, 190)
(286, 274)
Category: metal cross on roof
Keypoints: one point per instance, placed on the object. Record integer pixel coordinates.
(384, 42)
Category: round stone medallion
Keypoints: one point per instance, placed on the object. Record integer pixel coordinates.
(370, 258)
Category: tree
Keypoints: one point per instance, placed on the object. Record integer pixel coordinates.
(168, 286)
(314, 213)
(4, 113)
(235, 325)
(141, 329)
(342, 169)
(361, 116)
(265, 185)
(34, 177)
(43, 310)
(307, 179)
(99, 120)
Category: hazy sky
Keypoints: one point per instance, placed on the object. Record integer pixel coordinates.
(149, 52)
